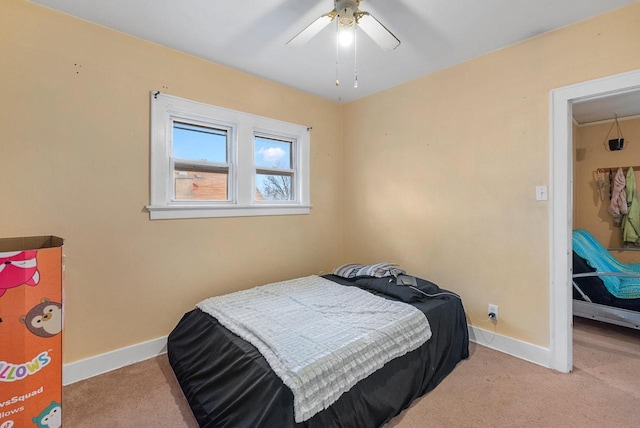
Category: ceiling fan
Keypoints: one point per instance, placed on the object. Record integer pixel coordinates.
(349, 16)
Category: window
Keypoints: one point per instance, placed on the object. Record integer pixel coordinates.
(275, 172)
(200, 163)
(208, 161)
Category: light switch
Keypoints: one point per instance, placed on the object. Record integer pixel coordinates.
(541, 193)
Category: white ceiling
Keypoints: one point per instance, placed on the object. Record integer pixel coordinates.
(622, 105)
(251, 35)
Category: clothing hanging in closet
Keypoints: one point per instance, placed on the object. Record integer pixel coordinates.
(631, 222)
(618, 205)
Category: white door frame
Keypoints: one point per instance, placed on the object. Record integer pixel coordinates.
(561, 209)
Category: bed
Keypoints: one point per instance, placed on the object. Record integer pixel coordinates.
(229, 383)
(604, 289)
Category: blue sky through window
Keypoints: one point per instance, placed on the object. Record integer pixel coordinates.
(199, 143)
(272, 153)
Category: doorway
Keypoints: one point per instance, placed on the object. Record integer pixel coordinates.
(561, 207)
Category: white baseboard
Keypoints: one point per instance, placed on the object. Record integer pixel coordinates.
(523, 350)
(103, 363)
(93, 366)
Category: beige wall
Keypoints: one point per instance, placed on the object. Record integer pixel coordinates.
(440, 172)
(75, 163)
(591, 154)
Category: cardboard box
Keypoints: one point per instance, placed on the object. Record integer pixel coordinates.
(31, 332)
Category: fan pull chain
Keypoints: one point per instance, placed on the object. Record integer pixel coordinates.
(355, 56)
(337, 49)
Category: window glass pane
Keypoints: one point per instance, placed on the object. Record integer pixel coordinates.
(199, 143)
(200, 185)
(272, 153)
(273, 187)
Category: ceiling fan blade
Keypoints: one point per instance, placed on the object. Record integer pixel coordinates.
(378, 32)
(314, 28)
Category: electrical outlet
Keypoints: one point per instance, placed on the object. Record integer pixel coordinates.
(492, 312)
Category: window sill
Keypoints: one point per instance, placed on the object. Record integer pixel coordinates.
(166, 212)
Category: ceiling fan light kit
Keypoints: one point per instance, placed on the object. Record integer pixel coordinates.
(346, 34)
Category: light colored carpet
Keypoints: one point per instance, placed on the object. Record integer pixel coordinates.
(141, 395)
(493, 389)
(488, 389)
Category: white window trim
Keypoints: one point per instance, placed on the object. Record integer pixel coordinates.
(242, 127)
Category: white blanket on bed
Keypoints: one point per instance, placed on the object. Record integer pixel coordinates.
(320, 337)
